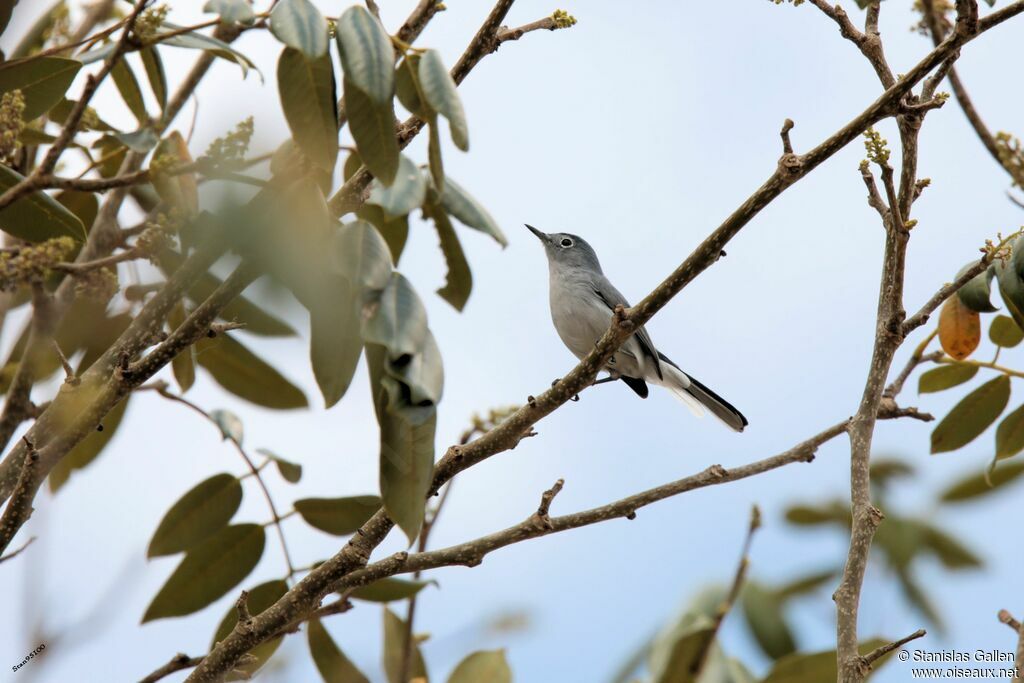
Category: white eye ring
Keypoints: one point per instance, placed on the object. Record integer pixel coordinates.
(566, 242)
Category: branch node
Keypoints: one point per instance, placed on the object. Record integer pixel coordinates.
(787, 146)
(541, 518)
(242, 607)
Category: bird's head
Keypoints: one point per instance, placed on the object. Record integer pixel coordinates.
(567, 251)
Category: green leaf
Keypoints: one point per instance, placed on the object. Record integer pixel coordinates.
(397, 320)
(389, 589)
(203, 511)
(292, 472)
(208, 571)
(459, 281)
(130, 91)
(951, 552)
(675, 651)
(155, 73)
(971, 416)
(141, 140)
(334, 343)
(231, 11)
(299, 25)
(183, 365)
(917, 597)
(367, 56)
(338, 516)
(883, 470)
(84, 205)
(88, 448)
(42, 81)
(486, 665)
(260, 598)
(763, 611)
(977, 293)
(242, 373)
(441, 94)
(395, 231)
(363, 256)
(945, 377)
(198, 41)
(394, 649)
(434, 153)
(422, 375)
(229, 424)
(1004, 332)
(331, 662)
(982, 483)
(469, 211)
(408, 89)
(373, 128)
(36, 217)
(1010, 434)
(816, 667)
(804, 585)
(834, 512)
(406, 193)
(308, 99)
(1011, 288)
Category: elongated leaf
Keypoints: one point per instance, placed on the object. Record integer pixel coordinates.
(61, 111)
(767, 623)
(408, 89)
(397, 320)
(945, 377)
(816, 667)
(242, 373)
(260, 598)
(389, 590)
(373, 128)
(442, 96)
(486, 665)
(675, 651)
(459, 281)
(203, 511)
(395, 231)
(971, 416)
(1011, 287)
(951, 552)
(469, 211)
(231, 11)
(331, 662)
(362, 256)
(88, 449)
(977, 485)
(835, 512)
(405, 194)
(307, 94)
(183, 365)
(434, 153)
(918, 597)
(38, 216)
(291, 471)
(84, 205)
(130, 91)
(1010, 434)
(155, 73)
(299, 25)
(208, 571)
(806, 584)
(366, 55)
(42, 81)
(198, 41)
(977, 293)
(959, 329)
(335, 344)
(1004, 332)
(338, 516)
(394, 649)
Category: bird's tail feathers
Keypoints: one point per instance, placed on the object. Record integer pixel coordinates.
(699, 398)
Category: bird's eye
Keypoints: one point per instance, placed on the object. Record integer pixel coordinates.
(566, 242)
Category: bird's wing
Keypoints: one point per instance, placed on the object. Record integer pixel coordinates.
(612, 297)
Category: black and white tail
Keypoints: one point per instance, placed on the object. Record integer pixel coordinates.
(698, 397)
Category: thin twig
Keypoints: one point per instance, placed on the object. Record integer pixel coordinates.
(14, 553)
(879, 652)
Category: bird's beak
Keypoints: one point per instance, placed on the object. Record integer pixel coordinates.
(542, 236)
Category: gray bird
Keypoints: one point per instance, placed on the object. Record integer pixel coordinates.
(582, 302)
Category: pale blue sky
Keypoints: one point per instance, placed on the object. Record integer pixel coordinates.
(641, 128)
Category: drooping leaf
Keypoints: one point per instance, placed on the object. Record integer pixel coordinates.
(804, 585)
(42, 81)
(198, 41)
(675, 652)
(486, 665)
(763, 611)
(241, 372)
(88, 449)
(406, 193)
(408, 89)
(291, 471)
(130, 91)
(299, 25)
(389, 589)
(331, 662)
(38, 216)
(395, 231)
(229, 424)
(155, 74)
(945, 377)
(183, 365)
(366, 55)
(459, 280)
(338, 516)
(231, 11)
(951, 552)
(260, 598)
(979, 484)
(394, 649)
(816, 667)
(397, 319)
(442, 96)
(977, 293)
(203, 511)
(434, 157)
(334, 343)
(208, 571)
(918, 597)
(363, 256)
(971, 416)
(469, 211)
(308, 99)
(959, 329)
(1010, 434)
(1011, 287)
(1004, 332)
(84, 205)
(421, 376)
(372, 126)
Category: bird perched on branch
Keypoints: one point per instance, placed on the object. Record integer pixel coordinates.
(583, 302)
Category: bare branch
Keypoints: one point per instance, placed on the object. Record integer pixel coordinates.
(14, 553)
(882, 651)
(178, 662)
